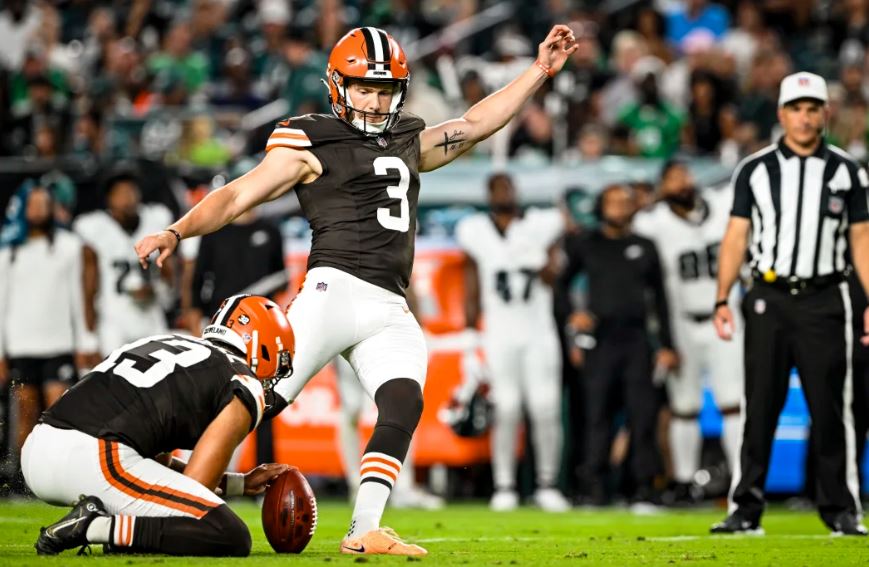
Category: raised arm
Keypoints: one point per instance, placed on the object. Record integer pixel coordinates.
(277, 173)
(443, 143)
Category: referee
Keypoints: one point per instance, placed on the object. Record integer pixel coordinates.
(797, 207)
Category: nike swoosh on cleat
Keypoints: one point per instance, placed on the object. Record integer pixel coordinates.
(361, 548)
(50, 531)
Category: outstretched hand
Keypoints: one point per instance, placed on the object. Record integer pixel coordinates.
(163, 242)
(557, 47)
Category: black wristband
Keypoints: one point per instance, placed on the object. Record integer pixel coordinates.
(175, 232)
(720, 303)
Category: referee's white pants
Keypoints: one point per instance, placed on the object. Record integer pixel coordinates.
(525, 373)
(373, 328)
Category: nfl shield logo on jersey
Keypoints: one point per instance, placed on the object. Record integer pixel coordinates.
(760, 306)
(633, 252)
(836, 205)
(321, 286)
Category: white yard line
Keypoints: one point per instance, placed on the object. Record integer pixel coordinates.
(742, 536)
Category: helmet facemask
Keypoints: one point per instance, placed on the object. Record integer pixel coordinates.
(362, 119)
(284, 370)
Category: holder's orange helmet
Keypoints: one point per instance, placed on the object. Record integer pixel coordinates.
(372, 55)
(258, 330)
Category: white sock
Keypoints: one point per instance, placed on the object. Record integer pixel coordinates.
(378, 472)
(730, 440)
(547, 444)
(685, 446)
(370, 502)
(503, 443)
(99, 530)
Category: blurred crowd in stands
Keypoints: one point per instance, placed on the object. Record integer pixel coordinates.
(182, 80)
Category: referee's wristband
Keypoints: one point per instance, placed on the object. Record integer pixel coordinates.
(720, 303)
(175, 233)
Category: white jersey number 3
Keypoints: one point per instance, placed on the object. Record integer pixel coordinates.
(400, 223)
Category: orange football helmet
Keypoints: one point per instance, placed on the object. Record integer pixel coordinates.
(372, 55)
(257, 328)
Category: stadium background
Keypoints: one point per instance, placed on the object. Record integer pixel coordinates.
(182, 90)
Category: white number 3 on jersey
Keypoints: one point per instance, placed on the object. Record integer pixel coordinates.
(400, 223)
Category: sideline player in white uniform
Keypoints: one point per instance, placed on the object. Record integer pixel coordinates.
(356, 174)
(509, 275)
(687, 229)
(128, 305)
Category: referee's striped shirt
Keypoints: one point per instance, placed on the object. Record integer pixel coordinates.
(800, 208)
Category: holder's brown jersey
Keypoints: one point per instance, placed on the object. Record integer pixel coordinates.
(362, 209)
(157, 394)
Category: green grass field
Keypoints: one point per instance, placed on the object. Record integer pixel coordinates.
(471, 535)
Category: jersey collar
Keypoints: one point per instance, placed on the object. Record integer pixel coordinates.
(503, 233)
(787, 153)
(696, 216)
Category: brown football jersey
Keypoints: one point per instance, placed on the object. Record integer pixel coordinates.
(362, 209)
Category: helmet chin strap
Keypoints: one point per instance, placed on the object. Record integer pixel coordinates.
(368, 127)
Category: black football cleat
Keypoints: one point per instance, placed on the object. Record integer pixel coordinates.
(736, 523)
(70, 531)
(848, 524)
(682, 495)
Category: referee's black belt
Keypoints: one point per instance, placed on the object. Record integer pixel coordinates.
(800, 286)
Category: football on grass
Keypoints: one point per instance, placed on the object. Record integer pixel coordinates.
(289, 512)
